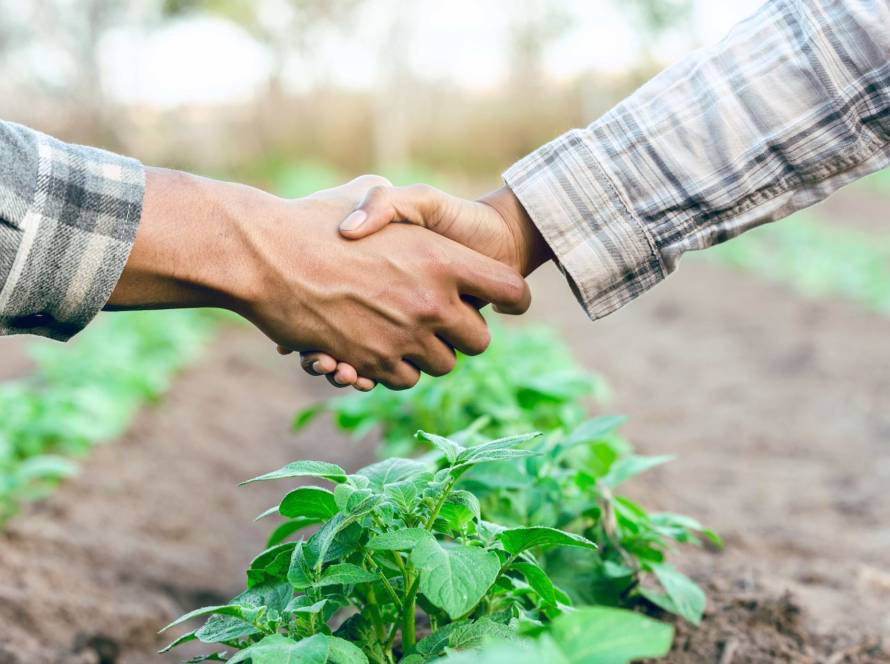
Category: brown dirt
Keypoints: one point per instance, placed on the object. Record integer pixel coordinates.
(155, 524)
(776, 408)
(857, 208)
(777, 411)
(14, 360)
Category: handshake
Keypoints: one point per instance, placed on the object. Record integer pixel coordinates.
(418, 292)
(365, 300)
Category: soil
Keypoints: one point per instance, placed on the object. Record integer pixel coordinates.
(775, 407)
(155, 524)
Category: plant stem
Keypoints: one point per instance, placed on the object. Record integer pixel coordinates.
(383, 578)
(376, 620)
(449, 485)
(408, 638)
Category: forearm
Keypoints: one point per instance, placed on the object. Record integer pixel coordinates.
(193, 246)
(791, 105)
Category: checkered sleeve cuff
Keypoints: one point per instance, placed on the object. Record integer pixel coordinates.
(599, 244)
(68, 219)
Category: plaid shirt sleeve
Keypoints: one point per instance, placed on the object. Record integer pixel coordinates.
(68, 218)
(791, 105)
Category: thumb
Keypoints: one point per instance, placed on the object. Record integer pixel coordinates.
(420, 205)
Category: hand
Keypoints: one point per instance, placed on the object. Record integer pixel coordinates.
(497, 225)
(392, 305)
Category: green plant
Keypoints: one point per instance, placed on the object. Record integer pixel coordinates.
(526, 381)
(87, 393)
(403, 552)
(815, 258)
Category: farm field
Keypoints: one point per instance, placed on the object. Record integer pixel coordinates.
(774, 404)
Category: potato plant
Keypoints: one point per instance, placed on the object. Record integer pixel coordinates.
(528, 379)
(404, 568)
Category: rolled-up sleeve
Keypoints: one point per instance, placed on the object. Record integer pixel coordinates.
(791, 105)
(68, 219)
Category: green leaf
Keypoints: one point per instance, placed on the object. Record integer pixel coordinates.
(625, 468)
(542, 651)
(687, 597)
(413, 659)
(446, 446)
(478, 633)
(309, 502)
(276, 649)
(346, 574)
(591, 635)
(460, 509)
(344, 652)
(300, 574)
(271, 565)
(323, 540)
(233, 610)
(593, 430)
(517, 540)
(394, 469)
(185, 638)
(434, 645)
(322, 469)
(219, 629)
(302, 604)
(537, 580)
(496, 450)
(288, 528)
(405, 493)
(454, 577)
(306, 415)
(212, 657)
(600, 635)
(398, 540)
(268, 512)
(44, 467)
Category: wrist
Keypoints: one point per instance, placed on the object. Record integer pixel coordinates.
(193, 246)
(531, 248)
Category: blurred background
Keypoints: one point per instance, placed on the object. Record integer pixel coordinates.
(777, 412)
(273, 91)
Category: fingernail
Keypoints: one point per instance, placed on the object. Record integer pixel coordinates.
(354, 220)
(316, 367)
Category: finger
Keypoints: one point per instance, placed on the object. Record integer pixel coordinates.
(317, 364)
(488, 280)
(354, 189)
(344, 376)
(402, 377)
(283, 351)
(468, 333)
(419, 204)
(364, 384)
(436, 358)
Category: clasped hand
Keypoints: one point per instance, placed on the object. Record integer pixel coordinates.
(442, 294)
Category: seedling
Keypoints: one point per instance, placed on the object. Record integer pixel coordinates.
(402, 566)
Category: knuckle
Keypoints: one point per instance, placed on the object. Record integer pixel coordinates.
(422, 190)
(444, 366)
(371, 180)
(514, 287)
(480, 342)
(377, 194)
(430, 308)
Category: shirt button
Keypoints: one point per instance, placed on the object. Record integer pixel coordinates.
(41, 319)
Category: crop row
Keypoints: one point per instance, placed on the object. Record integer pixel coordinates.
(508, 533)
(87, 393)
